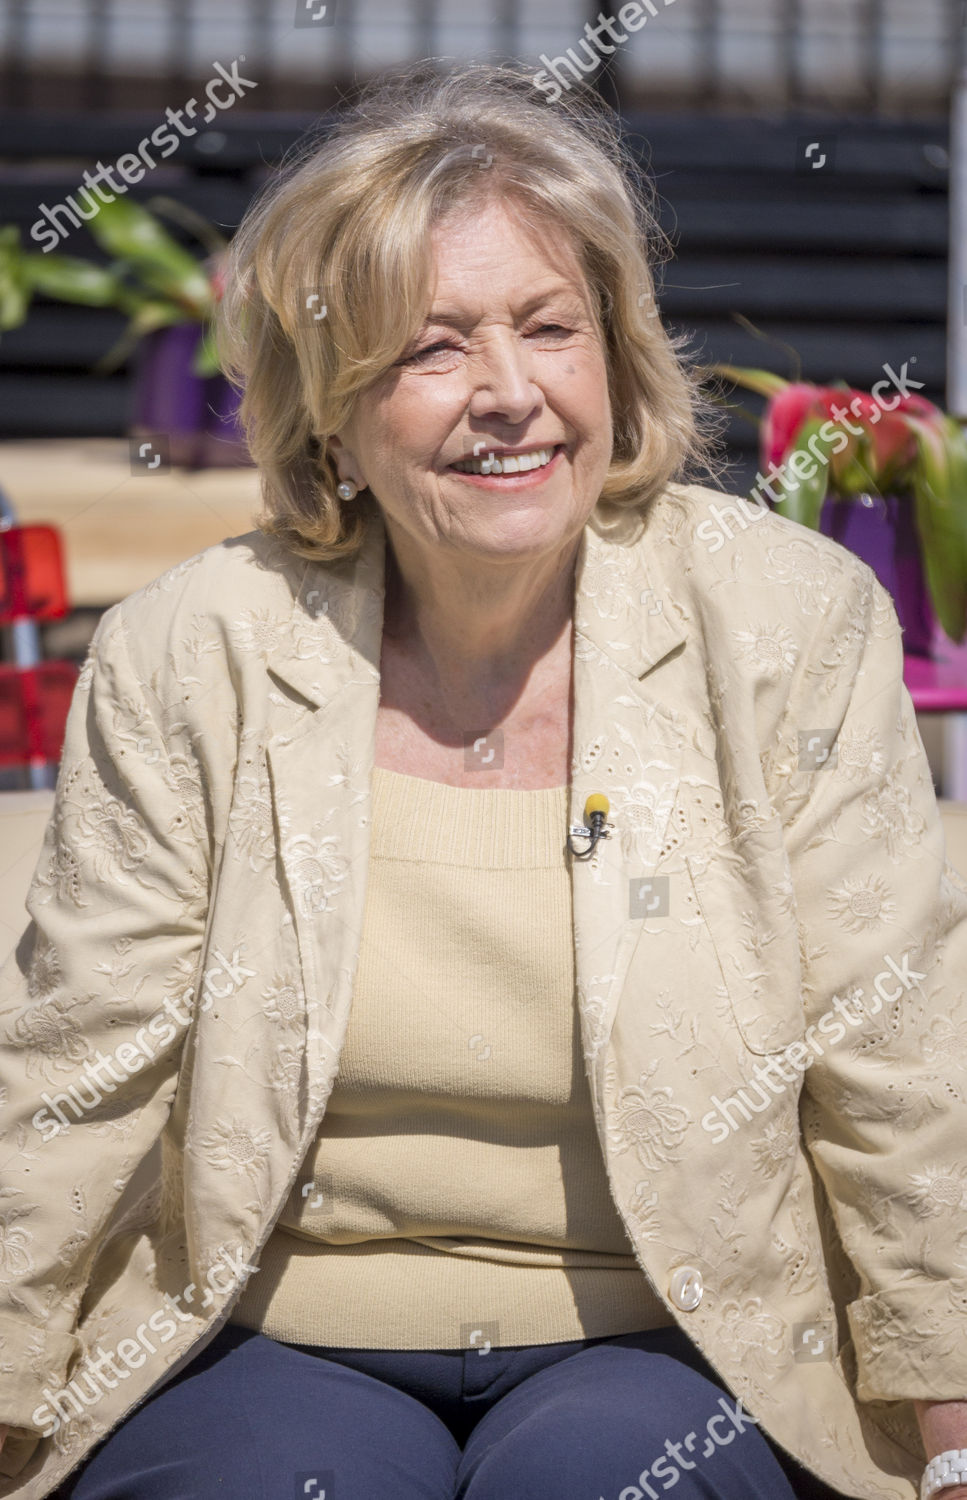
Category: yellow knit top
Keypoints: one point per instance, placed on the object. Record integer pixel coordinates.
(456, 1191)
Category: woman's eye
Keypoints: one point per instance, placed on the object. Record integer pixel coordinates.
(444, 347)
(418, 354)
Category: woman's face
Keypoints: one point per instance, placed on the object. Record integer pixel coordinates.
(510, 357)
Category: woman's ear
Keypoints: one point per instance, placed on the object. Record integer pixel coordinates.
(343, 460)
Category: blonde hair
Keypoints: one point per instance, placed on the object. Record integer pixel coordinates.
(345, 229)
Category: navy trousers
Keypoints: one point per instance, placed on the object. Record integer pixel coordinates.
(614, 1418)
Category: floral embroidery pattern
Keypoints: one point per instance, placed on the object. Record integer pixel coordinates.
(15, 1241)
(859, 754)
(644, 1210)
(256, 631)
(648, 1123)
(252, 820)
(772, 650)
(116, 836)
(777, 1146)
(944, 1041)
(317, 871)
(642, 815)
(591, 1005)
(232, 1146)
(285, 1075)
(807, 572)
(44, 972)
(50, 1034)
(187, 822)
(888, 814)
(939, 1190)
(693, 677)
(750, 1329)
(282, 1001)
(862, 905)
(62, 877)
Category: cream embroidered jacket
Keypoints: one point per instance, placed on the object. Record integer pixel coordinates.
(768, 940)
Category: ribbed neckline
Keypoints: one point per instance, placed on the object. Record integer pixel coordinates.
(489, 828)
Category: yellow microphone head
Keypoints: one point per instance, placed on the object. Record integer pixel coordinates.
(596, 803)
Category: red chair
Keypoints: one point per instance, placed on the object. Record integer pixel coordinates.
(35, 695)
(33, 711)
(32, 581)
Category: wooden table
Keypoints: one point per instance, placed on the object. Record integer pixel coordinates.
(122, 528)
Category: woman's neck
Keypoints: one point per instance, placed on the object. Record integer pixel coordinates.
(471, 636)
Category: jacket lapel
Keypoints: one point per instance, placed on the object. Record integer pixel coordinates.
(319, 779)
(627, 743)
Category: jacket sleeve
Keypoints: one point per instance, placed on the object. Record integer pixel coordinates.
(883, 935)
(94, 1003)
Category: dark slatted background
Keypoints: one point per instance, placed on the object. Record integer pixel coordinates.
(846, 263)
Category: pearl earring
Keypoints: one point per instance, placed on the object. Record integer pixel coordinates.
(346, 490)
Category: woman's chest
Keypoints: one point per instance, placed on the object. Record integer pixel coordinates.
(525, 756)
(526, 748)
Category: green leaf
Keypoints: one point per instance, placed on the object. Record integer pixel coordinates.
(205, 359)
(802, 498)
(14, 303)
(14, 291)
(855, 474)
(761, 381)
(14, 297)
(939, 482)
(71, 279)
(128, 232)
(149, 316)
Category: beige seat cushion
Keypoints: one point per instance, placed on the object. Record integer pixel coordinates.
(23, 818)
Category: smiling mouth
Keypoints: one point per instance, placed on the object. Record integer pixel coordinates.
(507, 463)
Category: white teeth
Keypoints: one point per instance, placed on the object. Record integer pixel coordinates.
(517, 463)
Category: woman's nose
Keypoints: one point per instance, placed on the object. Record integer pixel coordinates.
(503, 381)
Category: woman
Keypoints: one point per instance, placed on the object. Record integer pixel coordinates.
(381, 1118)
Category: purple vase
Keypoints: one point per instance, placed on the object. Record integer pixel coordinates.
(195, 413)
(224, 441)
(881, 529)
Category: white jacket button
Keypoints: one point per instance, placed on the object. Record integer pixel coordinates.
(686, 1288)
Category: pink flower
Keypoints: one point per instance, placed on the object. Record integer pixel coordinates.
(217, 266)
(886, 445)
(783, 418)
(894, 444)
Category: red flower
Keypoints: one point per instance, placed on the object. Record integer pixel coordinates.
(783, 418)
(216, 266)
(891, 441)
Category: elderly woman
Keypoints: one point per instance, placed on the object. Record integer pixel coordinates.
(494, 1012)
